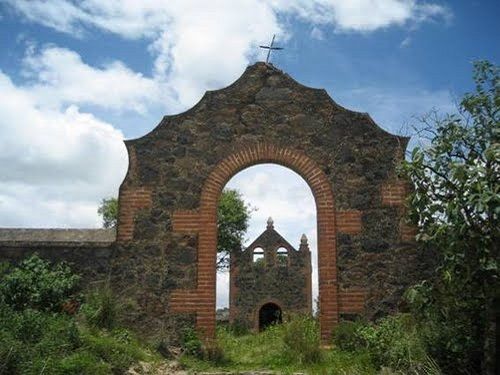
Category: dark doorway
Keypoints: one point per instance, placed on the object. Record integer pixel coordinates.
(269, 314)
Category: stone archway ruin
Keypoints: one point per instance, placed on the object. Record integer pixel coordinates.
(204, 222)
(164, 256)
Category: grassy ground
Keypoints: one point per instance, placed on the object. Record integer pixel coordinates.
(268, 350)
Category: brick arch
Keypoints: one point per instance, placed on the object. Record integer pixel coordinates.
(204, 222)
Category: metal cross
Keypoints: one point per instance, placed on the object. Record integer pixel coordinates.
(270, 48)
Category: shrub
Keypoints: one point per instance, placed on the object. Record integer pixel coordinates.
(191, 343)
(301, 340)
(101, 308)
(346, 336)
(239, 327)
(37, 337)
(107, 348)
(213, 352)
(39, 285)
(31, 340)
(11, 352)
(395, 342)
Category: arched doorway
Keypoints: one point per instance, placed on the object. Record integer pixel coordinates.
(269, 314)
(204, 220)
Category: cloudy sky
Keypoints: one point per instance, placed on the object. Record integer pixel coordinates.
(77, 77)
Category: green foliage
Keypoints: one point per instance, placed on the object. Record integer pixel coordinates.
(395, 342)
(36, 284)
(36, 337)
(301, 340)
(30, 335)
(239, 327)
(113, 349)
(282, 260)
(232, 223)
(191, 343)
(84, 363)
(101, 308)
(108, 209)
(346, 336)
(456, 205)
(33, 340)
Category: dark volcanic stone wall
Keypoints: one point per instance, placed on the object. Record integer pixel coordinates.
(89, 259)
(171, 163)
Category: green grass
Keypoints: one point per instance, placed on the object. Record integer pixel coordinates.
(268, 351)
(34, 342)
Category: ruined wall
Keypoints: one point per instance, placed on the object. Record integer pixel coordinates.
(89, 252)
(285, 281)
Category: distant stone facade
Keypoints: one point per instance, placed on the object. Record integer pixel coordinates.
(269, 279)
(163, 260)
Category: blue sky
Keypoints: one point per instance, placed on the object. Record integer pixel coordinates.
(76, 77)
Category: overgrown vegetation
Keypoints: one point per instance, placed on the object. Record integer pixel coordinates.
(395, 342)
(36, 285)
(392, 346)
(42, 332)
(456, 206)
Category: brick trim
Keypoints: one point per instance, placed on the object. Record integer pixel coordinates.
(352, 300)
(131, 200)
(394, 193)
(349, 221)
(207, 232)
(407, 232)
(185, 221)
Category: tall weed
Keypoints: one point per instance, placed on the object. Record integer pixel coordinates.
(301, 340)
(101, 308)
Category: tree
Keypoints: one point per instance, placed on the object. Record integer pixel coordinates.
(233, 215)
(456, 205)
(108, 209)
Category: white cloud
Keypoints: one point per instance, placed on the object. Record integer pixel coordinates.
(199, 45)
(316, 33)
(134, 19)
(57, 76)
(55, 164)
(361, 15)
